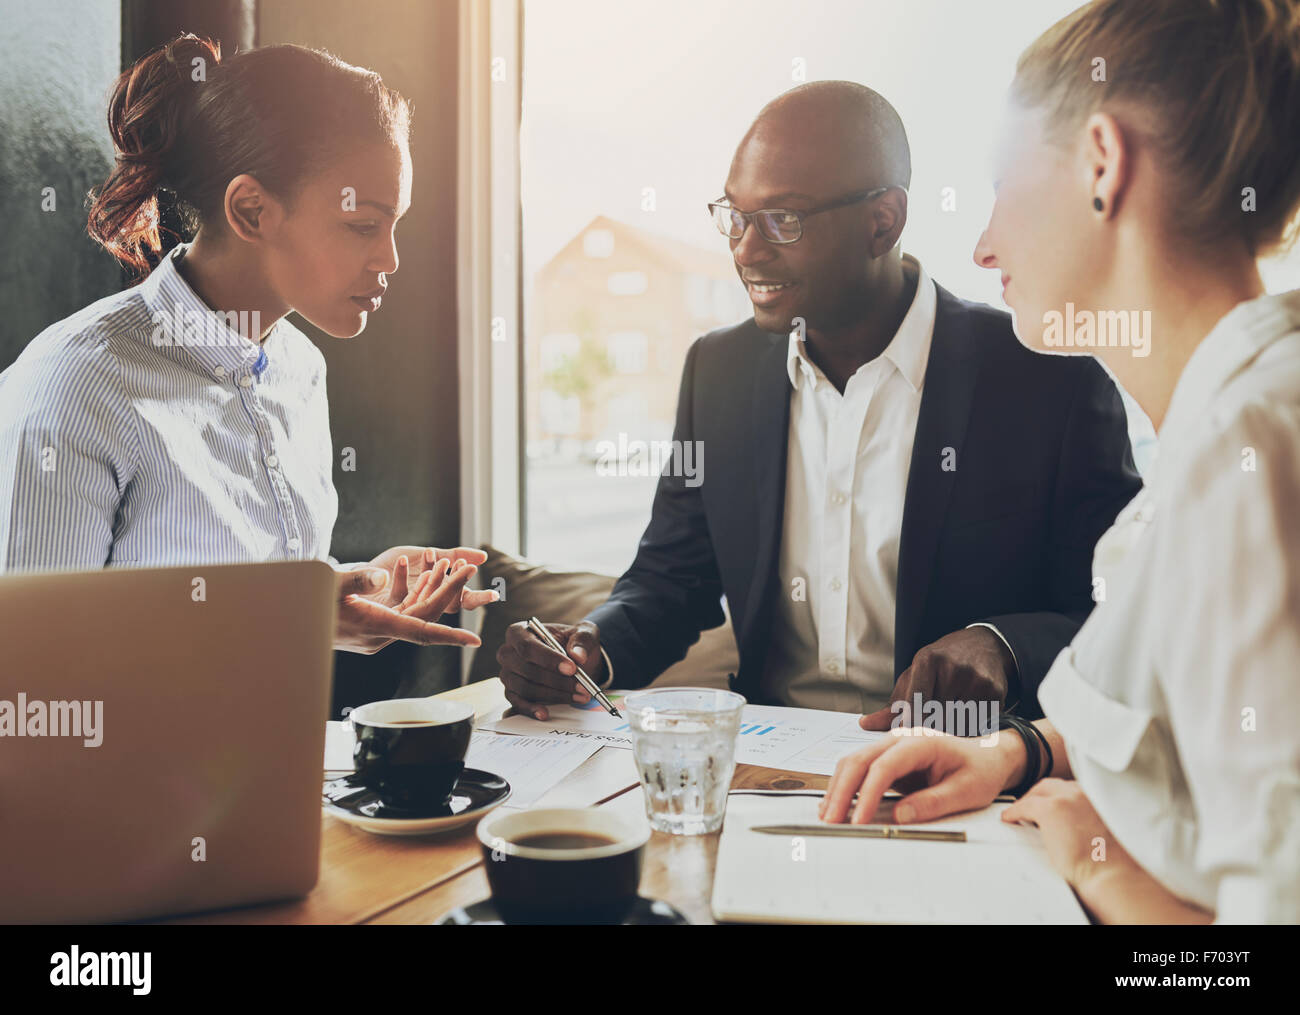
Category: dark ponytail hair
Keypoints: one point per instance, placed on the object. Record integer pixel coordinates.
(184, 124)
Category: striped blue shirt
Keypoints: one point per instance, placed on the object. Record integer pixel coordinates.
(145, 431)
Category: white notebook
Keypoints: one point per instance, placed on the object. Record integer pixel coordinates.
(1001, 874)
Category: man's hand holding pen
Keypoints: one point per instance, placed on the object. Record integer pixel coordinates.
(535, 674)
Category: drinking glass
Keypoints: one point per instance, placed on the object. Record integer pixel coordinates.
(684, 743)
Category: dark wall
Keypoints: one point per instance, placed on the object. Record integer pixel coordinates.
(58, 59)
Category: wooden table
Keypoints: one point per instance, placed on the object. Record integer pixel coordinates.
(368, 878)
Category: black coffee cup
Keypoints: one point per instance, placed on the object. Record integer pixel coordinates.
(562, 865)
(411, 751)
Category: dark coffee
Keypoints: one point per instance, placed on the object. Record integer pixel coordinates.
(413, 764)
(563, 840)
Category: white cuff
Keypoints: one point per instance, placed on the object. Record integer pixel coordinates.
(1002, 638)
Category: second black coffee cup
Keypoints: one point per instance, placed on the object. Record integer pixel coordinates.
(411, 751)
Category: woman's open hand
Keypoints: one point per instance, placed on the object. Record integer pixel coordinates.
(391, 599)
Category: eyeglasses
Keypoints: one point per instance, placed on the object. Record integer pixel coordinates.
(779, 225)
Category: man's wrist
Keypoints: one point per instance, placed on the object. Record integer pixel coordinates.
(1011, 665)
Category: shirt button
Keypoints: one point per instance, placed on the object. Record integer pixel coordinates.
(832, 667)
(294, 543)
(836, 584)
(219, 370)
(245, 381)
(272, 461)
(838, 499)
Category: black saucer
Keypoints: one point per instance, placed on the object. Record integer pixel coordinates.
(645, 913)
(475, 791)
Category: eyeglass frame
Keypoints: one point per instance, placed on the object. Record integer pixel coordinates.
(749, 216)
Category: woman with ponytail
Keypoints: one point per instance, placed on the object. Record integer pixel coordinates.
(1151, 155)
(184, 420)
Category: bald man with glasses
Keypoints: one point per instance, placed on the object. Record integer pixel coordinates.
(892, 502)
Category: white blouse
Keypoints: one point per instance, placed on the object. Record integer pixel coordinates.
(1179, 699)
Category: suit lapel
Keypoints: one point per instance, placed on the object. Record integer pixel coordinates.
(951, 374)
(769, 432)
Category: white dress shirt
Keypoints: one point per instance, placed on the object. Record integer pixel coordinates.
(847, 463)
(1178, 698)
(124, 443)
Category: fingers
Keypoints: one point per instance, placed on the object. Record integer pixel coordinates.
(525, 707)
(1025, 809)
(584, 644)
(472, 599)
(533, 670)
(382, 622)
(949, 796)
(401, 572)
(532, 649)
(362, 581)
(1033, 805)
(466, 553)
(438, 598)
(427, 580)
(849, 771)
(881, 720)
(545, 683)
(584, 647)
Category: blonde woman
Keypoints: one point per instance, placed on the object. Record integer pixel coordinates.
(1151, 155)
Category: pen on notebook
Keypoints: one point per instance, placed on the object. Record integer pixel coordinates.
(867, 832)
(539, 629)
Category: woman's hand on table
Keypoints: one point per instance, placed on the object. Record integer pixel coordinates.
(399, 594)
(941, 774)
(1112, 886)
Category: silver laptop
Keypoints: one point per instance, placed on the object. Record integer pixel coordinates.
(161, 736)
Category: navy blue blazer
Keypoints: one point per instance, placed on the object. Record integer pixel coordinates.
(1043, 466)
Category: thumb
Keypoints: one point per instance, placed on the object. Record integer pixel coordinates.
(362, 581)
(583, 644)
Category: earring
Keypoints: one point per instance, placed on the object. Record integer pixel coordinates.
(1098, 204)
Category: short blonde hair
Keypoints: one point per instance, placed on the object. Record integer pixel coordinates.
(1216, 84)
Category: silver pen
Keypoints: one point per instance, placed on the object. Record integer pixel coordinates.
(540, 630)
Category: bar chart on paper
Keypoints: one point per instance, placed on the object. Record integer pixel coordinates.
(796, 739)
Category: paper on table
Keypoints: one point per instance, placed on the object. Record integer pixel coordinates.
(532, 765)
(1001, 874)
(794, 739)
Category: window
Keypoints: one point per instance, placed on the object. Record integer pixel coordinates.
(628, 283)
(628, 350)
(556, 349)
(622, 147)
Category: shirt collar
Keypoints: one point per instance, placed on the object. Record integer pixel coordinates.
(189, 330)
(1241, 336)
(908, 350)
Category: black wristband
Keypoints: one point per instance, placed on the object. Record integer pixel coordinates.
(1033, 752)
(1047, 751)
